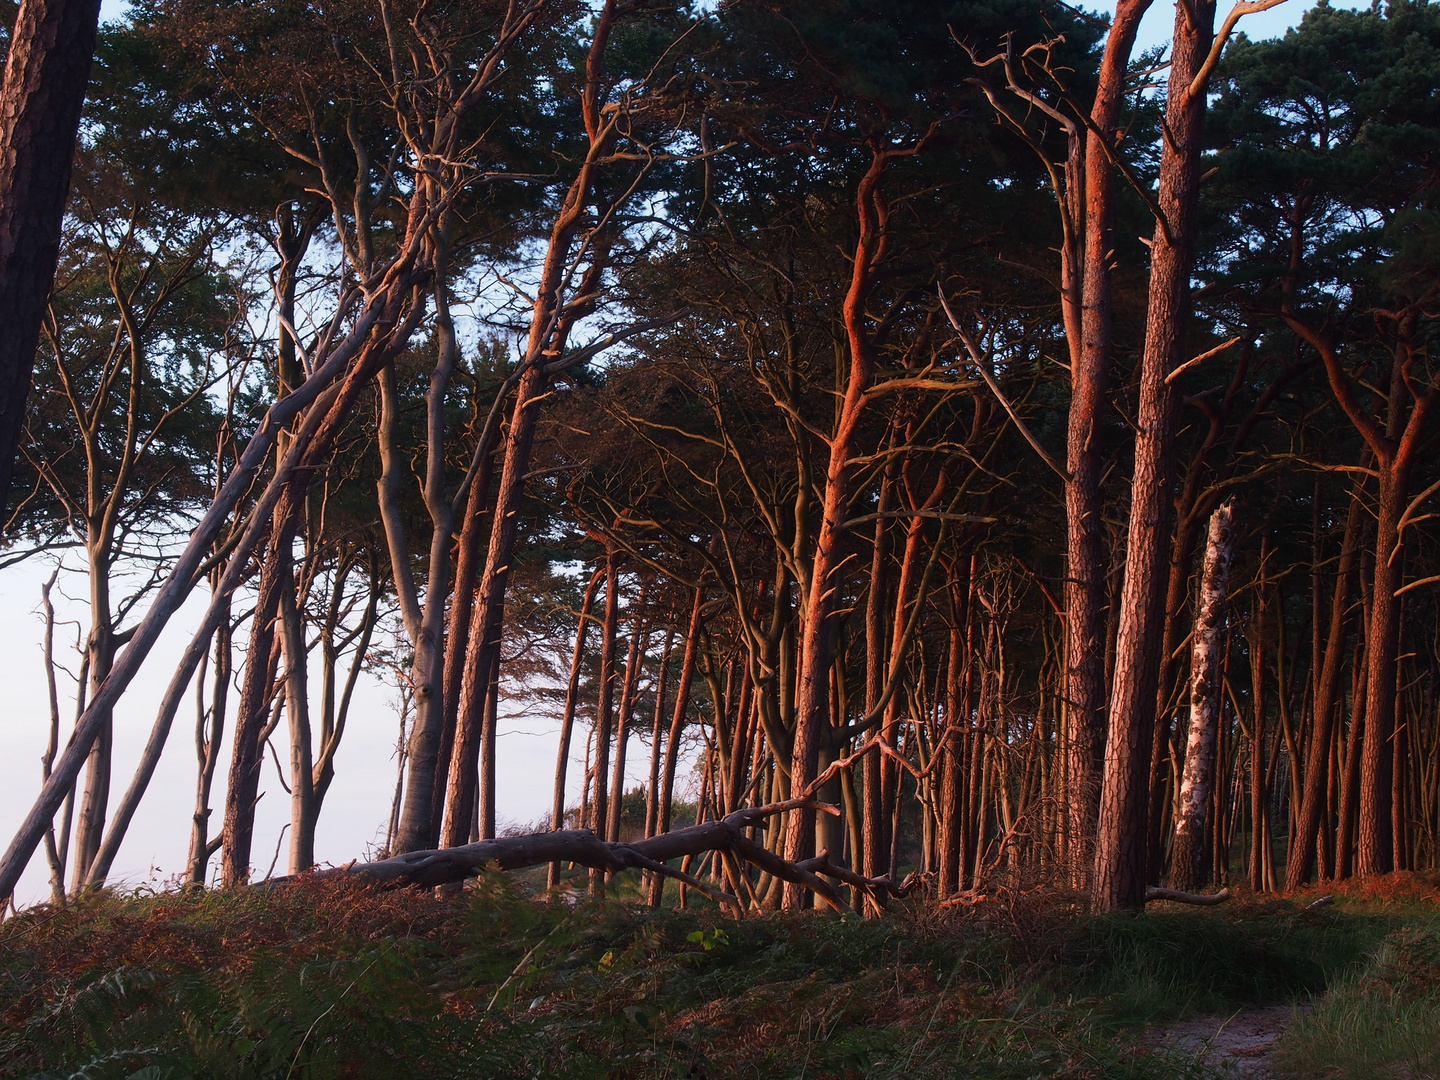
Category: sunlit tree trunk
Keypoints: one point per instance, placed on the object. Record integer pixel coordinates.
(1089, 318)
(1120, 869)
(812, 712)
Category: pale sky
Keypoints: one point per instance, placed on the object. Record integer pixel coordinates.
(1160, 19)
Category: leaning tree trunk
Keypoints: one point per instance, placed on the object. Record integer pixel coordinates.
(483, 648)
(1189, 868)
(356, 358)
(550, 322)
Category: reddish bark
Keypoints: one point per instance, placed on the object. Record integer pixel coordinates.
(1327, 692)
(1120, 864)
(1087, 291)
(1394, 446)
(815, 645)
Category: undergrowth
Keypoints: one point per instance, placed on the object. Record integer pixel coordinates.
(326, 980)
(1382, 1020)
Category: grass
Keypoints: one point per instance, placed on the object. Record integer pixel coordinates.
(1381, 1019)
(321, 981)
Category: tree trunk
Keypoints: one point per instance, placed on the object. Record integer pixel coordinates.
(957, 724)
(1120, 869)
(1088, 309)
(1374, 849)
(424, 623)
(1350, 777)
(1259, 788)
(567, 719)
(303, 806)
(41, 98)
(550, 323)
(1327, 691)
(460, 626)
(639, 641)
(677, 728)
(1189, 869)
(812, 711)
(1394, 447)
(652, 790)
(247, 755)
(605, 705)
(910, 595)
(208, 732)
(872, 824)
(483, 649)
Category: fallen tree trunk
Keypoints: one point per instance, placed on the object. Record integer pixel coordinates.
(1176, 896)
(446, 866)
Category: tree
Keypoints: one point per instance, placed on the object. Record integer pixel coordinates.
(47, 67)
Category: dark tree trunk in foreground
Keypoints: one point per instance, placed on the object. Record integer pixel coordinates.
(40, 103)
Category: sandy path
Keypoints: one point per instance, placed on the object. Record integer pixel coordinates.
(1239, 1045)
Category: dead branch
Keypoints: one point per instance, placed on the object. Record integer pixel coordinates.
(1178, 897)
(446, 866)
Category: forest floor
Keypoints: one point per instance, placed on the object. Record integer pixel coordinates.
(334, 980)
(1242, 1044)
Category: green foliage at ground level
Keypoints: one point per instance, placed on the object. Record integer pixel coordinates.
(319, 981)
(1381, 1020)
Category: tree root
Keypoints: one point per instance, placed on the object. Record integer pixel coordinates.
(447, 866)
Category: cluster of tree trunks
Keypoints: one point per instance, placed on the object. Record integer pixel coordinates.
(808, 527)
